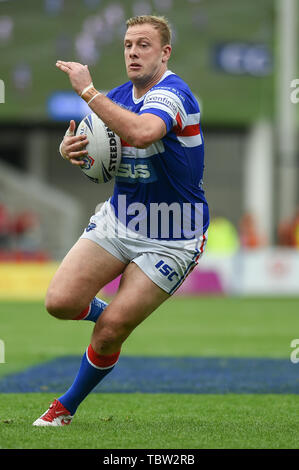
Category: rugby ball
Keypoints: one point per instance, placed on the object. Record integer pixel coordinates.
(104, 149)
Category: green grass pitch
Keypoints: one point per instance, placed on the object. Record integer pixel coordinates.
(203, 327)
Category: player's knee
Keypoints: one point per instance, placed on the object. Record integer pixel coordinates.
(58, 305)
(53, 306)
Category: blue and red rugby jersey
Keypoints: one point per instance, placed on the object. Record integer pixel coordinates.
(169, 170)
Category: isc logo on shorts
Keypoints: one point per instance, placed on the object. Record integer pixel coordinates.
(166, 270)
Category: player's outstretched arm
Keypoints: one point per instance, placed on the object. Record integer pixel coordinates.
(137, 130)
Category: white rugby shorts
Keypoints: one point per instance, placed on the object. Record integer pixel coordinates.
(166, 262)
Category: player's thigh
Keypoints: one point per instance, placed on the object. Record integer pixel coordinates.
(138, 296)
(85, 270)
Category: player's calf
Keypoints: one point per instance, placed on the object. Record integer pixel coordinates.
(110, 332)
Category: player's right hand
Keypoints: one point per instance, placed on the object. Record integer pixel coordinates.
(72, 147)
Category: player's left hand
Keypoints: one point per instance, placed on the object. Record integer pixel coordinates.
(78, 74)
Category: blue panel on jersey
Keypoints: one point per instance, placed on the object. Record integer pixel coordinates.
(175, 165)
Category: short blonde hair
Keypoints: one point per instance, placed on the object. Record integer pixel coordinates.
(158, 22)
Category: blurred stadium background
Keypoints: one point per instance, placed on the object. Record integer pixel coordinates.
(239, 59)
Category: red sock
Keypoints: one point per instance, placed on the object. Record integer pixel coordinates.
(101, 361)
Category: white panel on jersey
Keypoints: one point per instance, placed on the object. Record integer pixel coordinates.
(192, 141)
(166, 101)
(153, 149)
(193, 119)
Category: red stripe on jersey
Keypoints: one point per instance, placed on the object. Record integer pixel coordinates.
(99, 360)
(188, 131)
(179, 121)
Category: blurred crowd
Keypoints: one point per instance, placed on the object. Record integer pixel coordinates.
(20, 236)
(225, 238)
(288, 231)
(100, 28)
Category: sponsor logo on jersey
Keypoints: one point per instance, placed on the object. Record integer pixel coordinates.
(132, 171)
(161, 99)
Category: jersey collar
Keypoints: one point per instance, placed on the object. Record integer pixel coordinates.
(138, 100)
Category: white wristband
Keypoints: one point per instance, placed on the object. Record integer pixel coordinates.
(94, 97)
(86, 89)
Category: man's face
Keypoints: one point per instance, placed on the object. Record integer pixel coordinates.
(145, 57)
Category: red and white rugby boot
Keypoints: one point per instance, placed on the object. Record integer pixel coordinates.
(56, 415)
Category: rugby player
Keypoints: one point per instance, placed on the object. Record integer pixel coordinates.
(158, 119)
